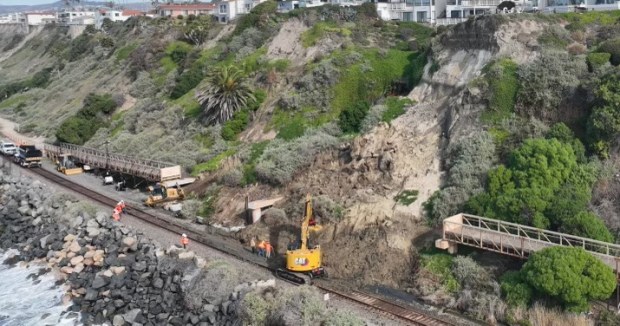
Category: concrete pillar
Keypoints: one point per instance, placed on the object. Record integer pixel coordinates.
(256, 213)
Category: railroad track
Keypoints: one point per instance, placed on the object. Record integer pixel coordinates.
(383, 306)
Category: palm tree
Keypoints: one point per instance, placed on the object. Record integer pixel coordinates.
(226, 93)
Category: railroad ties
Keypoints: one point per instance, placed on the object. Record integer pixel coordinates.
(403, 313)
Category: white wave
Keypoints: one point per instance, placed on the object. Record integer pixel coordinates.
(25, 302)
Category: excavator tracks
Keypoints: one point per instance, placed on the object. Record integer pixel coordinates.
(391, 309)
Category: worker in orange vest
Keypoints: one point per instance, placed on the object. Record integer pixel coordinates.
(261, 248)
(122, 205)
(184, 240)
(116, 215)
(268, 249)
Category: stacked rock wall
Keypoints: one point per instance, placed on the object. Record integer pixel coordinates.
(113, 275)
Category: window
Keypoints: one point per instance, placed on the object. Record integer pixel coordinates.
(116, 14)
(407, 16)
(421, 17)
(223, 10)
(455, 14)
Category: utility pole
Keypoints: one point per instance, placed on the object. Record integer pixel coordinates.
(107, 155)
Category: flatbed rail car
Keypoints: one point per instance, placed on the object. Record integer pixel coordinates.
(150, 170)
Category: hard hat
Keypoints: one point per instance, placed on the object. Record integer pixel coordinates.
(184, 235)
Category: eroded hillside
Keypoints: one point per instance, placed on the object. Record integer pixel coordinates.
(390, 126)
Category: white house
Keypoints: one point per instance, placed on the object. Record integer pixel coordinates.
(76, 17)
(552, 6)
(12, 18)
(229, 9)
(39, 18)
(288, 5)
(115, 15)
(175, 10)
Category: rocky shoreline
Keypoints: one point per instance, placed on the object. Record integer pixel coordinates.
(114, 275)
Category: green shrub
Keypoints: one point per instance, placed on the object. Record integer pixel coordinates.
(555, 36)
(587, 225)
(259, 97)
(317, 32)
(256, 17)
(535, 172)
(124, 52)
(187, 81)
(236, 125)
(613, 48)
(292, 128)
(406, 197)
(504, 85)
(249, 168)
(351, 117)
(546, 82)
(604, 122)
(106, 41)
(80, 128)
(282, 159)
(209, 202)
(421, 33)
(597, 60)
(395, 107)
(468, 161)
(177, 51)
(370, 79)
(516, 290)
(79, 47)
(440, 264)
(367, 9)
(570, 275)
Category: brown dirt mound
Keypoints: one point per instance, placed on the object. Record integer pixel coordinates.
(367, 258)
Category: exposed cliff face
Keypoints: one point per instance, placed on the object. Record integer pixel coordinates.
(407, 155)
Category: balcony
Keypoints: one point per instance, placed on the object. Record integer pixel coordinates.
(480, 3)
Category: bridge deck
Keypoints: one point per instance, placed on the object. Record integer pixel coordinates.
(147, 169)
(520, 240)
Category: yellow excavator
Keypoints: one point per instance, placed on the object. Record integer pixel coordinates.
(160, 194)
(303, 263)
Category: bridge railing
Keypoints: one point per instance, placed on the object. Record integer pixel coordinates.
(520, 240)
(148, 169)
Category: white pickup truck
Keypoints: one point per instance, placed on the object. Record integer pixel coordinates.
(8, 148)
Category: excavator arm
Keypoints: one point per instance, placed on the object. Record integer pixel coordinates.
(305, 230)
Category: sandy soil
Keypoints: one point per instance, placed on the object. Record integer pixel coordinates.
(8, 127)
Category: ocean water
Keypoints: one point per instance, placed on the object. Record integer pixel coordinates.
(28, 302)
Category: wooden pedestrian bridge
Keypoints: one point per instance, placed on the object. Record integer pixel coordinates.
(517, 240)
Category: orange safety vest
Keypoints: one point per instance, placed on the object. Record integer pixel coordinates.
(268, 247)
(116, 216)
(185, 240)
(261, 245)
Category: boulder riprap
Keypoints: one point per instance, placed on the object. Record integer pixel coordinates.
(114, 275)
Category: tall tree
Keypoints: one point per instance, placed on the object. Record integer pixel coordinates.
(226, 93)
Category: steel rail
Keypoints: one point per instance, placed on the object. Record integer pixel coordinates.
(381, 305)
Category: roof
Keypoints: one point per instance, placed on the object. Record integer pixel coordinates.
(132, 13)
(197, 6)
(41, 13)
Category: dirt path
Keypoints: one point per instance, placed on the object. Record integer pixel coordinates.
(7, 128)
